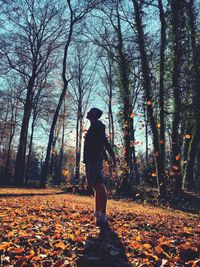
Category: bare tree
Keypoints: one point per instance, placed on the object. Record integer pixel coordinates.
(114, 39)
(195, 140)
(83, 71)
(76, 14)
(37, 27)
(147, 84)
(178, 24)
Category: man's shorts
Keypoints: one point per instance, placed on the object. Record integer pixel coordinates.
(94, 172)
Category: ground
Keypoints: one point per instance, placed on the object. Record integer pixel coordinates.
(51, 228)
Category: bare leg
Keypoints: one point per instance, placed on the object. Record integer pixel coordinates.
(97, 198)
(103, 198)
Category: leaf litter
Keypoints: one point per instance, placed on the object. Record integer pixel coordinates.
(50, 229)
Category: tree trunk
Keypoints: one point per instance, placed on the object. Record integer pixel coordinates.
(146, 137)
(4, 126)
(78, 142)
(161, 89)
(62, 146)
(62, 96)
(21, 152)
(45, 167)
(177, 10)
(54, 155)
(7, 173)
(135, 172)
(195, 141)
(147, 87)
(30, 149)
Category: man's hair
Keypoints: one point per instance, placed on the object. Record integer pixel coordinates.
(97, 111)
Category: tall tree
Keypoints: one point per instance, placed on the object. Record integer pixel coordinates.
(163, 29)
(83, 69)
(37, 26)
(178, 25)
(195, 140)
(147, 84)
(76, 14)
(113, 39)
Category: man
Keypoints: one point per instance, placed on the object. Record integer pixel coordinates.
(94, 148)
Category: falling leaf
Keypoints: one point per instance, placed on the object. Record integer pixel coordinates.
(175, 168)
(149, 103)
(161, 142)
(132, 115)
(158, 125)
(187, 136)
(177, 157)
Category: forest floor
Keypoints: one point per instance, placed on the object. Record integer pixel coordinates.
(50, 228)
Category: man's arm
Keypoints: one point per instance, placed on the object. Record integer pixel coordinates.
(107, 145)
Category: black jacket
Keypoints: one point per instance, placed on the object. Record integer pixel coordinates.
(95, 143)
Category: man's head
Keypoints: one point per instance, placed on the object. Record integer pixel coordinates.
(94, 114)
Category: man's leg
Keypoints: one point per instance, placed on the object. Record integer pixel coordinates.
(97, 199)
(103, 198)
(101, 201)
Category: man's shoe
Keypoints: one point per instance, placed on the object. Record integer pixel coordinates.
(102, 224)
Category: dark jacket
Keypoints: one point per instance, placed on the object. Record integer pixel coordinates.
(96, 142)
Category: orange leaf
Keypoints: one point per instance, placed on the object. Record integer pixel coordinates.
(158, 249)
(4, 245)
(187, 136)
(135, 245)
(151, 256)
(132, 115)
(148, 246)
(149, 103)
(60, 245)
(138, 238)
(158, 125)
(178, 157)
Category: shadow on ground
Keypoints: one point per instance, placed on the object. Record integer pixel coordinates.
(106, 250)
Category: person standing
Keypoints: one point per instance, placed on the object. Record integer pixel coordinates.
(95, 145)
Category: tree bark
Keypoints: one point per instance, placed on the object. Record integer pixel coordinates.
(30, 149)
(161, 89)
(79, 127)
(45, 167)
(7, 173)
(135, 172)
(177, 11)
(21, 152)
(147, 87)
(195, 140)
